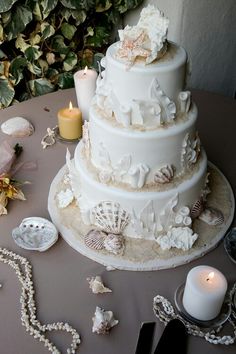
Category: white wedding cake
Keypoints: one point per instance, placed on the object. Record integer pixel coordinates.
(139, 171)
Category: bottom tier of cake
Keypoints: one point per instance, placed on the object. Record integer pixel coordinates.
(134, 213)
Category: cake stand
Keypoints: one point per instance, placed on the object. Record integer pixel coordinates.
(144, 255)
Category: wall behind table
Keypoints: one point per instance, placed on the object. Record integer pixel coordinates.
(207, 30)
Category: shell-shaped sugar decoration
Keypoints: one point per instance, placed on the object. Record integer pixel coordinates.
(65, 198)
(17, 127)
(164, 175)
(103, 321)
(197, 208)
(114, 243)
(212, 216)
(95, 239)
(97, 286)
(110, 217)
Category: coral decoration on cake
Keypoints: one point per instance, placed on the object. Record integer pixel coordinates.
(145, 40)
(190, 150)
(178, 237)
(184, 101)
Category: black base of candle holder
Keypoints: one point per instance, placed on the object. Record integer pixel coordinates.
(59, 137)
(215, 322)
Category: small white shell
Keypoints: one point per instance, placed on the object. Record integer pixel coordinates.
(97, 286)
(103, 321)
(65, 198)
(114, 243)
(164, 174)
(95, 239)
(17, 127)
(35, 234)
(212, 216)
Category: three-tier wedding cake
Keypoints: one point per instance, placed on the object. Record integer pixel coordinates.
(139, 174)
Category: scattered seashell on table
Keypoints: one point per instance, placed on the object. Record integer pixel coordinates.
(17, 127)
(35, 234)
(103, 321)
(97, 286)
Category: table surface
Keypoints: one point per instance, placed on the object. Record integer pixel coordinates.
(62, 292)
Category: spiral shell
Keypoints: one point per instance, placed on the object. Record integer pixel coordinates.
(114, 243)
(97, 286)
(103, 321)
(164, 174)
(110, 217)
(95, 239)
(212, 216)
(197, 208)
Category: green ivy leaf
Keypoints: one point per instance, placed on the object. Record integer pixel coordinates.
(103, 5)
(47, 30)
(70, 61)
(125, 5)
(71, 4)
(1, 34)
(6, 5)
(34, 69)
(65, 80)
(68, 30)
(58, 44)
(33, 53)
(40, 87)
(99, 38)
(20, 43)
(48, 6)
(16, 68)
(7, 92)
(19, 20)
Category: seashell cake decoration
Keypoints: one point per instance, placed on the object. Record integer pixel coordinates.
(164, 175)
(103, 321)
(17, 127)
(212, 216)
(114, 243)
(95, 239)
(110, 217)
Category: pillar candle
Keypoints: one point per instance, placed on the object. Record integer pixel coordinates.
(70, 122)
(204, 292)
(85, 86)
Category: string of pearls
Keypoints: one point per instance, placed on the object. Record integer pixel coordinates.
(23, 270)
(164, 310)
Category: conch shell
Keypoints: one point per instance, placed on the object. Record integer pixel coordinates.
(97, 286)
(103, 321)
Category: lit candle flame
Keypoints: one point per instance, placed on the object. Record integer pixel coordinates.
(85, 70)
(70, 106)
(210, 276)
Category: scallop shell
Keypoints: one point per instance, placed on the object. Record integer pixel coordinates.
(212, 216)
(103, 321)
(230, 245)
(35, 234)
(17, 127)
(97, 286)
(95, 239)
(110, 217)
(197, 208)
(164, 174)
(114, 243)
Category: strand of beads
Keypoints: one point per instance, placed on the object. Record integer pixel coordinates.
(23, 270)
(165, 312)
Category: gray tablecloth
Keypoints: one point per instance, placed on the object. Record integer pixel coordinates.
(62, 292)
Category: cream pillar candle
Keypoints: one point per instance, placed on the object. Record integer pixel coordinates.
(70, 122)
(85, 86)
(204, 292)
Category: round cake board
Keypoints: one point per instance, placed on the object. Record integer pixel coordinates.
(139, 254)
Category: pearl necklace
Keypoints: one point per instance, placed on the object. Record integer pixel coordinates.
(23, 270)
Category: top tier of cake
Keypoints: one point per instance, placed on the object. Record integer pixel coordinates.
(136, 83)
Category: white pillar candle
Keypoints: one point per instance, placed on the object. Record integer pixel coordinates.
(85, 86)
(204, 292)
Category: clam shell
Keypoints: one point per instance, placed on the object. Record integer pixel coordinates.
(95, 239)
(164, 174)
(17, 127)
(97, 286)
(230, 244)
(103, 321)
(110, 217)
(212, 216)
(197, 208)
(35, 234)
(114, 243)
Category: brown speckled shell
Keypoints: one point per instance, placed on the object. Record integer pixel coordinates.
(95, 239)
(197, 208)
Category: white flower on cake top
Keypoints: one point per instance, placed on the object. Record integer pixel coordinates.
(147, 39)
